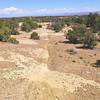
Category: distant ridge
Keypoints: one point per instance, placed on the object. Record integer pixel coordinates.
(79, 13)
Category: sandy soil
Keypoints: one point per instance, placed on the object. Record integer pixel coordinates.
(80, 63)
(43, 70)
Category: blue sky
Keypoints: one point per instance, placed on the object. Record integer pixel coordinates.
(45, 7)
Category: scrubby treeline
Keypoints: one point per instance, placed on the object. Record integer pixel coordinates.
(87, 31)
(28, 24)
(84, 35)
(92, 20)
(8, 27)
(84, 28)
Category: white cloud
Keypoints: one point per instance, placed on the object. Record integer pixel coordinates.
(8, 10)
(13, 11)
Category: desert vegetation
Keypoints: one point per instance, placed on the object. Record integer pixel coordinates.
(28, 25)
(86, 31)
(8, 27)
(82, 35)
(84, 28)
(35, 36)
(57, 26)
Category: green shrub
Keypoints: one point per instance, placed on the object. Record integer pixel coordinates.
(90, 40)
(72, 37)
(77, 34)
(91, 19)
(34, 25)
(14, 32)
(57, 26)
(28, 26)
(82, 35)
(13, 40)
(34, 35)
(4, 37)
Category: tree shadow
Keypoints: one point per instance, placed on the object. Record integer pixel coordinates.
(66, 42)
(82, 47)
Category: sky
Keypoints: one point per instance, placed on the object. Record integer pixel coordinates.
(12, 8)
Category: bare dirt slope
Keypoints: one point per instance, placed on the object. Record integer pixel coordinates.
(79, 63)
(38, 70)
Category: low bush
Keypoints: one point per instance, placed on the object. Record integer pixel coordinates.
(57, 26)
(25, 27)
(34, 25)
(77, 34)
(83, 35)
(35, 36)
(90, 40)
(28, 26)
(14, 32)
(4, 37)
(13, 40)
